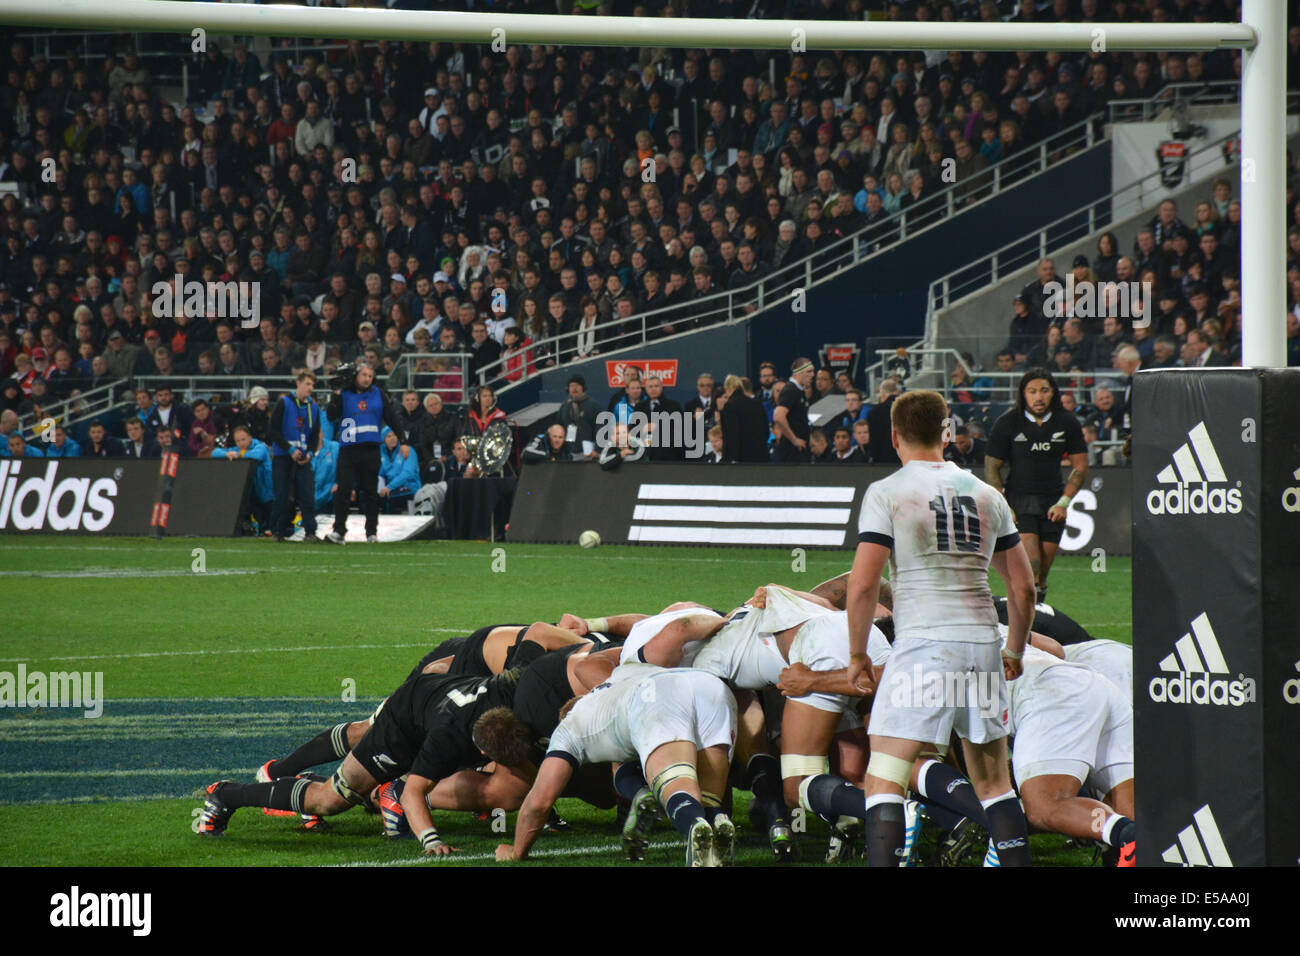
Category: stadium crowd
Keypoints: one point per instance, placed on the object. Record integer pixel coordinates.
(447, 200)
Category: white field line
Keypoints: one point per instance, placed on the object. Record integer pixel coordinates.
(214, 773)
(90, 799)
(181, 573)
(237, 650)
(558, 852)
(841, 558)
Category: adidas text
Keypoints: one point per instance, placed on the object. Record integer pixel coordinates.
(1202, 689)
(1201, 500)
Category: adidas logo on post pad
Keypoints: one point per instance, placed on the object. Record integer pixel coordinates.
(1200, 844)
(1194, 481)
(1193, 680)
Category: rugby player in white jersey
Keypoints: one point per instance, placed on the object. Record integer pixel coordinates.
(679, 724)
(939, 528)
(1111, 659)
(1073, 726)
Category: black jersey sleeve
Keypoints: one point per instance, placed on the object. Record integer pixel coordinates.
(999, 441)
(1074, 441)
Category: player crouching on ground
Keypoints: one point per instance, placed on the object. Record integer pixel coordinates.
(679, 724)
(1072, 727)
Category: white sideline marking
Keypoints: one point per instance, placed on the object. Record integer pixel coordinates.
(178, 572)
(95, 798)
(483, 857)
(234, 650)
(213, 772)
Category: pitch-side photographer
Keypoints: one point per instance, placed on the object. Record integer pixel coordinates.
(295, 432)
(361, 409)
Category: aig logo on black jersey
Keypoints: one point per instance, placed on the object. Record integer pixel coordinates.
(1195, 482)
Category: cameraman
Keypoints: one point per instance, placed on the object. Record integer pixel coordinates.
(361, 409)
(295, 431)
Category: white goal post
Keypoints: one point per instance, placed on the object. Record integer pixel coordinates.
(1261, 37)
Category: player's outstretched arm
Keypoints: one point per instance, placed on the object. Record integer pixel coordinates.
(799, 680)
(417, 814)
(860, 602)
(1045, 643)
(1012, 565)
(619, 625)
(552, 778)
(665, 648)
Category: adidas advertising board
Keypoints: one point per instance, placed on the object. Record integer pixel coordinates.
(118, 496)
(1215, 640)
(757, 505)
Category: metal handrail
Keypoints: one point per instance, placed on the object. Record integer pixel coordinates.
(821, 265)
(76, 408)
(1206, 93)
(1016, 255)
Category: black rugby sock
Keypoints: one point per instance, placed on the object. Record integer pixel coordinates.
(943, 786)
(327, 746)
(763, 778)
(1008, 829)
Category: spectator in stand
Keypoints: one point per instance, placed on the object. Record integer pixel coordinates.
(819, 449)
(137, 444)
(744, 423)
(19, 448)
(578, 416)
(703, 404)
(177, 418)
(62, 446)
(550, 446)
(399, 476)
(965, 450)
(101, 444)
(843, 450)
(862, 439)
(881, 446)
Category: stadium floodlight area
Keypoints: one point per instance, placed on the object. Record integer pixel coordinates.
(1261, 37)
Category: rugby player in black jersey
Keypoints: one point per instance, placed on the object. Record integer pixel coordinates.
(429, 728)
(1032, 438)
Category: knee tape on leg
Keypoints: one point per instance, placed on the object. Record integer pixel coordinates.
(803, 795)
(803, 765)
(345, 791)
(670, 773)
(937, 752)
(893, 769)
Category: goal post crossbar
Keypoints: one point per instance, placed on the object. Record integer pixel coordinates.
(368, 23)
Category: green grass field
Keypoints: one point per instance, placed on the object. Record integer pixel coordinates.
(208, 674)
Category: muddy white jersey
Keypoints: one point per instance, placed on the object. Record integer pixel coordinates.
(1024, 693)
(745, 651)
(642, 631)
(942, 526)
